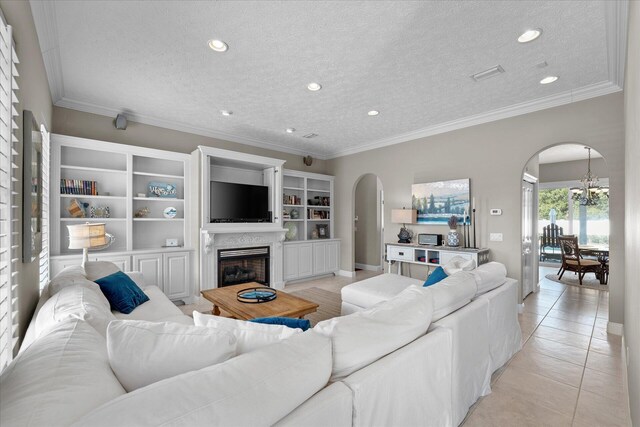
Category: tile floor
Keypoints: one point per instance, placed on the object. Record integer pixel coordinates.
(569, 372)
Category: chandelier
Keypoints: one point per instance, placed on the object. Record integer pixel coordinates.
(589, 193)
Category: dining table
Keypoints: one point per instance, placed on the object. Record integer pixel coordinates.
(601, 252)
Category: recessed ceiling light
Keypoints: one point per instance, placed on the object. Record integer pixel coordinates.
(530, 35)
(548, 79)
(314, 87)
(290, 130)
(373, 113)
(218, 45)
(226, 112)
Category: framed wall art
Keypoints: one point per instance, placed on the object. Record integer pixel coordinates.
(437, 201)
(31, 188)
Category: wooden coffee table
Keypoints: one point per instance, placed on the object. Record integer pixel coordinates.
(285, 305)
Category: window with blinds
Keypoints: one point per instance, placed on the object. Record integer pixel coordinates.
(44, 255)
(9, 203)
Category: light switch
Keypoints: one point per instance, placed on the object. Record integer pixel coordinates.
(495, 237)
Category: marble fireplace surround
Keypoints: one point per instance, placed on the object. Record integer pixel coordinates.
(211, 241)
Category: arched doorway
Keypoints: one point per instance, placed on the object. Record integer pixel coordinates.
(556, 202)
(368, 226)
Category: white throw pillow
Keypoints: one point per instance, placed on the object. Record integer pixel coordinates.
(58, 378)
(98, 269)
(142, 353)
(361, 338)
(458, 263)
(452, 293)
(489, 276)
(250, 335)
(254, 389)
(84, 301)
(67, 277)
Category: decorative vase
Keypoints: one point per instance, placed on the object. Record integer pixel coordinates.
(453, 239)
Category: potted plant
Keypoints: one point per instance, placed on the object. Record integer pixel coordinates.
(453, 239)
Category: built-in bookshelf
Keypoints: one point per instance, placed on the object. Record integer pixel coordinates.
(307, 207)
(307, 214)
(139, 193)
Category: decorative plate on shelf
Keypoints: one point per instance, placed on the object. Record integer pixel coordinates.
(292, 230)
(170, 212)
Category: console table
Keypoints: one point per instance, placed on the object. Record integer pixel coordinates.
(431, 255)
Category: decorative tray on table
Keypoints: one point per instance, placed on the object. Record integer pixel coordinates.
(256, 295)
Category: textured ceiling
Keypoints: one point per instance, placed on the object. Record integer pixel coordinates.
(409, 60)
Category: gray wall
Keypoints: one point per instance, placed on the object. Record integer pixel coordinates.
(572, 171)
(632, 244)
(94, 126)
(493, 156)
(34, 95)
(367, 235)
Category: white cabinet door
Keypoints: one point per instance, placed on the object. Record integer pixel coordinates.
(291, 261)
(150, 265)
(333, 256)
(305, 260)
(319, 257)
(176, 275)
(122, 261)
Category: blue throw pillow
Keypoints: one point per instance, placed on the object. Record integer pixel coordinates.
(122, 292)
(437, 275)
(290, 322)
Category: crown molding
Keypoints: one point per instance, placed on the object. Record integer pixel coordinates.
(591, 91)
(44, 18)
(181, 127)
(616, 21)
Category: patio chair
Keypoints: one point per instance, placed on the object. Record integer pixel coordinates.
(549, 243)
(572, 261)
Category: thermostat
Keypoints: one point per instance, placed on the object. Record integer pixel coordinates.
(496, 211)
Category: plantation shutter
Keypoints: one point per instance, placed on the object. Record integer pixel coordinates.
(44, 255)
(9, 203)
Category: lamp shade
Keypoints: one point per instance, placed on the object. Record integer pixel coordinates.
(404, 216)
(84, 236)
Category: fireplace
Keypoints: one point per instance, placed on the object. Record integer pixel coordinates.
(243, 265)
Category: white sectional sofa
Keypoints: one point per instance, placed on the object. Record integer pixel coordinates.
(478, 307)
(62, 374)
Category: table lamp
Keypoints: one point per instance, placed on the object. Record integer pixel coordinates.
(89, 236)
(404, 216)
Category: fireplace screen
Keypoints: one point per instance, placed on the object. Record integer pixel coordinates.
(245, 265)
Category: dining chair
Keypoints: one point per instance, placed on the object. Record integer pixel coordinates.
(572, 261)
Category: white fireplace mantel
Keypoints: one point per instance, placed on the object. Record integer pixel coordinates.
(243, 236)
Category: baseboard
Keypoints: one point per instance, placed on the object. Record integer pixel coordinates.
(615, 328)
(345, 273)
(368, 267)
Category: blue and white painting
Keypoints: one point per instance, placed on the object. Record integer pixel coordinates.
(436, 202)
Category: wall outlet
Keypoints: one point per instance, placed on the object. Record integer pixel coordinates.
(495, 237)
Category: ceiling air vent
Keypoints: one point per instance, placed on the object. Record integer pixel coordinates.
(482, 75)
(310, 135)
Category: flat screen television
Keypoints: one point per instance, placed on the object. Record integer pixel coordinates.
(231, 202)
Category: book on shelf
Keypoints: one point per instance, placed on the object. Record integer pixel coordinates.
(291, 199)
(318, 214)
(78, 186)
